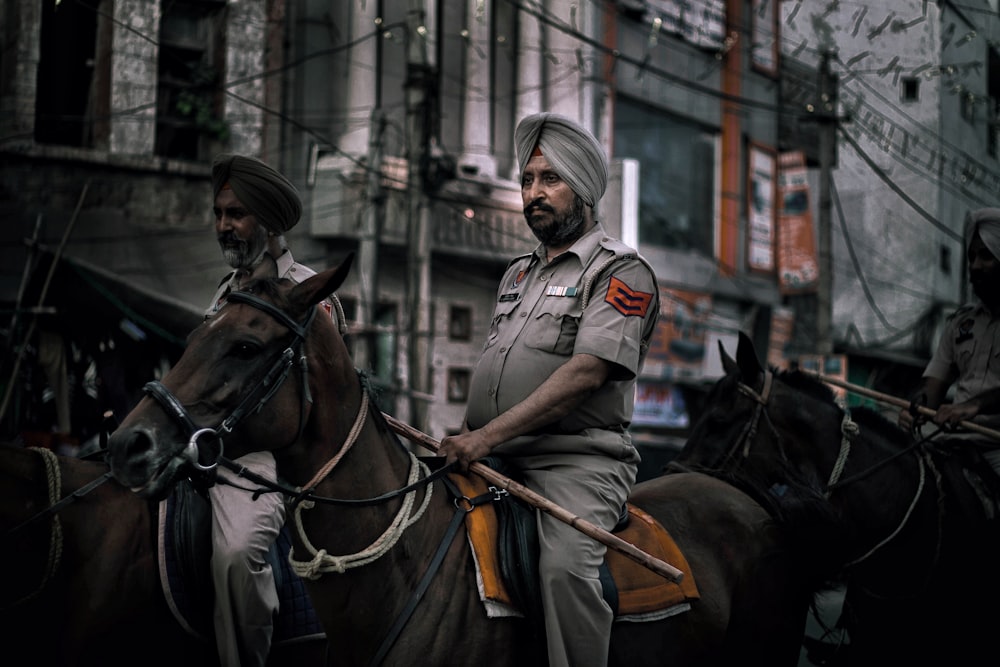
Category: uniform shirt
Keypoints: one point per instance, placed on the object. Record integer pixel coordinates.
(969, 350)
(540, 321)
(288, 268)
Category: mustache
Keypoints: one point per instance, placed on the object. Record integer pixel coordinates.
(537, 205)
(229, 238)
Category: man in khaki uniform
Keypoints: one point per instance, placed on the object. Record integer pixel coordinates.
(553, 392)
(254, 206)
(968, 354)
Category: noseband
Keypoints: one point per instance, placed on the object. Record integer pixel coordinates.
(208, 441)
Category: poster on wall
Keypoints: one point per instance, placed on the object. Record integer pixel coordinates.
(659, 404)
(677, 350)
(764, 33)
(798, 260)
(761, 193)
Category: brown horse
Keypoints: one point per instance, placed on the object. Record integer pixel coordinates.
(81, 586)
(918, 555)
(329, 440)
(81, 579)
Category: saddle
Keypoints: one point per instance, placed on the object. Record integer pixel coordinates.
(184, 549)
(503, 536)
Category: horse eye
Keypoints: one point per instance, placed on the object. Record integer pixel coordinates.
(245, 350)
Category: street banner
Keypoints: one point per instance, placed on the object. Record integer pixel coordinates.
(677, 350)
(798, 258)
(761, 191)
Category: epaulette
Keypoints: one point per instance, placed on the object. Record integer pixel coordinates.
(619, 248)
(518, 259)
(623, 251)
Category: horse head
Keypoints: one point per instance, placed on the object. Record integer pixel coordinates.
(244, 383)
(762, 423)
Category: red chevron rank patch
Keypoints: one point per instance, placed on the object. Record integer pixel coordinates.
(626, 300)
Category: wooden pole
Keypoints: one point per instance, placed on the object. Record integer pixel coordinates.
(899, 402)
(544, 504)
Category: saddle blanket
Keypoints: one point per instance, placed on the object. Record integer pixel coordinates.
(183, 552)
(643, 595)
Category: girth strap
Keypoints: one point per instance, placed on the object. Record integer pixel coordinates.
(461, 508)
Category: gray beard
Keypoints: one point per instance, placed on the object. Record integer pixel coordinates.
(243, 254)
(564, 229)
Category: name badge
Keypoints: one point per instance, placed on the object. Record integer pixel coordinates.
(511, 296)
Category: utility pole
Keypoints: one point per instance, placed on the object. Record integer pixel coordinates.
(418, 82)
(827, 118)
(368, 246)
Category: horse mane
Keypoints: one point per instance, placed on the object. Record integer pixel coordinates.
(864, 416)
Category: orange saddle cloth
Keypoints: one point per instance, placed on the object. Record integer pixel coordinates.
(641, 592)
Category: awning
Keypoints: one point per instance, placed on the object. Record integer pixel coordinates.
(86, 296)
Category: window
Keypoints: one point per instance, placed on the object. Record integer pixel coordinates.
(677, 176)
(67, 99)
(188, 98)
(967, 106)
(910, 89)
(944, 260)
(460, 323)
(458, 385)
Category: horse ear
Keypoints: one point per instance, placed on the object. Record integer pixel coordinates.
(728, 363)
(316, 288)
(746, 359)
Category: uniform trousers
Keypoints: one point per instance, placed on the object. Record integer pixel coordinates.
(246, 598)
(593, 487)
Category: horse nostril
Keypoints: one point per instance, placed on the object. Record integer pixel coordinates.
(129, 449)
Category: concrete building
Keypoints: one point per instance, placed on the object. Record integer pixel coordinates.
(395, 120)
(917, 148)
(680, 95)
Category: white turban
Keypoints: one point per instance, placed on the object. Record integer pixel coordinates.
(986, 221)
(572, 151)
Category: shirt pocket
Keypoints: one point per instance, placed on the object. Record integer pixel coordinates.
(501, 315)
(555, 326)
(965, 355)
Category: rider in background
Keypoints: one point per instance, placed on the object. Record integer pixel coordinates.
(254, 206)
(553, 392)
(968, 354)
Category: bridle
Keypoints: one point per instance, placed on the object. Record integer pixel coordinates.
(201, 438)
(749, 432)
(849, 431)
(206, 444)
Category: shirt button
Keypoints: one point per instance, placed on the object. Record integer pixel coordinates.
(524, 313)
(503, 349)
(492, 391)
(542, 278)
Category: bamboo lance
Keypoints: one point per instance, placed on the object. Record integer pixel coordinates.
(899, 402)
(544, 504)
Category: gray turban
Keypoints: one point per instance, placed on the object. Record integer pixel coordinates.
(271, 197)
(572, 151)
(986, 221)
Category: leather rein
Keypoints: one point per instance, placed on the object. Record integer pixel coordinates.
(206, 444)
(849, 431)
(204, 450)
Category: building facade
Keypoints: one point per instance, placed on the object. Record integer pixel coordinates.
(918, 93)
(396, 120)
